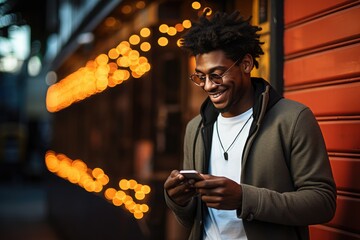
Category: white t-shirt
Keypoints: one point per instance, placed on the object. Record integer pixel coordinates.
(224, 224)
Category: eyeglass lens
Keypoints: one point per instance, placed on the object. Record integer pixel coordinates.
(200, 79)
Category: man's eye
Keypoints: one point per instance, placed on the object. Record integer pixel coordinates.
(215, 76)
(202, 77)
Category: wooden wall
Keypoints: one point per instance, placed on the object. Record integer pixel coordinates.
(322, 70)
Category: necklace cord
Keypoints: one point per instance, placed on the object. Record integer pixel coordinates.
(217, 131)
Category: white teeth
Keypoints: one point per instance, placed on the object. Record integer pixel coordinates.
(217, 95)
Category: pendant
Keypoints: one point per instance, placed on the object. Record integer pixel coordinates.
(226, 155)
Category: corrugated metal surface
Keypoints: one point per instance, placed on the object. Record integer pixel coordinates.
(322, 31)
(338, 63)
(338, 99)
(322, 70)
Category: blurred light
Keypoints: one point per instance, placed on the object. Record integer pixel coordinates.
(85, 38)
(145, 46)
(143, 60)
(110, 193)
(208, 10)
(134, 39)
(132, 183)
(196, 5)
(140, 5)
(101, 84)
(144, 208)
(124, 184)
(103, 179)
(123, 61)
(172, 31)
(123, 48)
(147, 66)
(179, 42)
(34, 66)
(128, 200)
(8, 19)
(117, 202)
(163, 41)
(179, 27)
(124, 44)
(118, 76)
(145, 189)
(6, 46)
(135, 74)
(96, 172)
(112, 67)
(9, 64)
(121, 195)
(15, 48)
(186, 23)
(145, 32)
(139, 195)
(20, 37)
(80, 165)
(133, 55)
(138, 215)
(126, 9)
(98, 187)
(163, 28)
(112, 82)
(126, 75)
(134, 63)
(110, 22)
(113, 53)
(102, 59)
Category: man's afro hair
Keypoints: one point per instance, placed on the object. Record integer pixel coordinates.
(231, 33)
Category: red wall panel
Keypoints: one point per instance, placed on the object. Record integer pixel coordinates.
(296, 10)
(342, 136)
(346, 173)
(347, 214)
(334, 100)
(322, 31)
(332, 64)
(319, 232)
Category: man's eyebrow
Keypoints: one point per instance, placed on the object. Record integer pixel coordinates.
(213, 69)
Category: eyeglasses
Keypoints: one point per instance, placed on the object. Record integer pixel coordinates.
(216, 79)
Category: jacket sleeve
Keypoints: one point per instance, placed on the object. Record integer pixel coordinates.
(185, 215)
(313, 199)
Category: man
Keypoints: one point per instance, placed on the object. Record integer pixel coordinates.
(263, 158)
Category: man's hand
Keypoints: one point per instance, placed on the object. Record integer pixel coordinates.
(179, 189)
(220, 192)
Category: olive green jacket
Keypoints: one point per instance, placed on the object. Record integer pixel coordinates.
(286, 176)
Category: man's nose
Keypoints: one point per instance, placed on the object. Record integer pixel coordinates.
(208, 84)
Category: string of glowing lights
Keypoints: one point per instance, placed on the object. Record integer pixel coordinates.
(111, 69)
(94, 180)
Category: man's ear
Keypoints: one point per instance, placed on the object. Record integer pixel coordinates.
(247, 63)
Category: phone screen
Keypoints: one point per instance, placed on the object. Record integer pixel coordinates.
(191, 174)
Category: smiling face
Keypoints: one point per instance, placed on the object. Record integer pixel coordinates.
(235, 95)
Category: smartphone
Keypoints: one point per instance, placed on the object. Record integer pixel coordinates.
(191, 174)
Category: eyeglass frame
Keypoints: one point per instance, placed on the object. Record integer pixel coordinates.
(211, 76)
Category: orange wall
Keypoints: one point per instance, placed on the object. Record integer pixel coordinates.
(322, 70)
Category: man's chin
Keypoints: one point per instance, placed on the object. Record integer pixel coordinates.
(221, 109)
